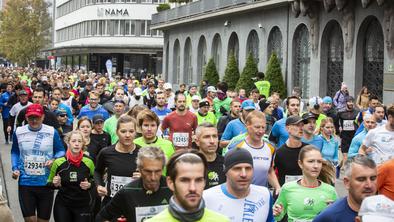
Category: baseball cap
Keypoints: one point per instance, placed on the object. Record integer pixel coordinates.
(292, 120)
(248, 105)
(61, 112)
(203, 103)
(44, 78)
(138, 91)
(167, 85)
(211, 89)
(307, 116)
(236, 156)
(327, 99)
(98, 118)
(34, 110)
(377, 208)
(314, 101)
(196, 97)
(22, 92)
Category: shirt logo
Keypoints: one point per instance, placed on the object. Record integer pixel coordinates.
(73, 176)
(309, 203)
(212, 175)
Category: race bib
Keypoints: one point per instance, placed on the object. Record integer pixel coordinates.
(118, 183)
(34, 165)
(144, 213)
(348, 125)
(291, 178)
(180, 139)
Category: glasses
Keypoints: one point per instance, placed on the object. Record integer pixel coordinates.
(63, 115)
(93, 99)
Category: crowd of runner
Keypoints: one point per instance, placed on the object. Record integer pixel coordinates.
(137, 149)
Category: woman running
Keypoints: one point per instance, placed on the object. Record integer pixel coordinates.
(302, 200)
(73, 176)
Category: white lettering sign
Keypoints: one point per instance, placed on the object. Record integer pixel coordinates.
(112, 12)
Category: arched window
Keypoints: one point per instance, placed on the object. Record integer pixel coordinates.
(301, 59)
(216, 50)
(176, 63)
(187, 61)
(334, 58)
(252, 45)
(233, 46)
(373, 50)
(275, 43)
(202, 58)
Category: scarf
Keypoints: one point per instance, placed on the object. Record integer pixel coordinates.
(221, 95)
(74, 160)
(182, 215)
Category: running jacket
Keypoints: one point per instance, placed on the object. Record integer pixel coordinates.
(31, 149)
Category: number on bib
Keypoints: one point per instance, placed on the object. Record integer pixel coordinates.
(34, 165)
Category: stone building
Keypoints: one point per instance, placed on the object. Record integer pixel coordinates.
(320, 43)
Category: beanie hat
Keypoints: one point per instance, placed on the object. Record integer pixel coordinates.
(236, 156)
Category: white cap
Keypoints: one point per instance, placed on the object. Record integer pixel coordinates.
(196, 97)
(44, 78)
(211, 89)
(167, 85)
(315, 101)
(377, 208)
(137, 91)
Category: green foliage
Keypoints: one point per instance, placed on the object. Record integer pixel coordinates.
(231, 74)
(162, 7)
(211, 74)
(245, 81)
(273, 74)
(24, 30)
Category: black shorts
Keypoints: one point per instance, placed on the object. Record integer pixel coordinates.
(36, 198)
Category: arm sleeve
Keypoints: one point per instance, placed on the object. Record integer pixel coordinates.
(282, 201)
(336, 151)
(381, 176)
(270, 217)
(70, 117)
(15, 152)
(98, 171)
(354, 147)
(53, 172)
(367, 140)
(113, 209)
(227, 135)
(273, 135)
(221, 126)
(21, 117)
(58, 145)
(164, 124)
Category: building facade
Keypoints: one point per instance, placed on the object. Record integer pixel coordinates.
(88, 33)
(320, 43)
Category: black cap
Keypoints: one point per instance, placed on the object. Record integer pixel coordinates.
(203, 103)
(264, 104)
(60, 112)
(307, 116)
(98, 118)
(236, 156)
(292, 120)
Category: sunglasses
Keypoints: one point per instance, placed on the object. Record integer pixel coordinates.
(63, 115)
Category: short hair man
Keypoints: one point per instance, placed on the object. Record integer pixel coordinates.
(279, 135)
(144, 197)
(34, 148)
(262, 152)
(207, 142)
(235, 108)
(370, 124)
(186, 179)
(238, 196)
(360, 181)
(309, 128)
(378, 142)
(110, 123)
(93, 107)
(204, 115)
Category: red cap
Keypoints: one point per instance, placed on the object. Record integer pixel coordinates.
(35, 110)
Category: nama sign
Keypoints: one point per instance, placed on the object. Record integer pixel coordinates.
(112, 12)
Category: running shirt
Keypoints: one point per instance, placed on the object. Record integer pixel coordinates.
(119, 167)
(234, 128)
(15, 109)
(303, 203)
(257, 206)
(135, 203)
(161, 113)
(381, 140)
(286, 163)
(181, 128)
(216, 173)
(71, 176)
(31, 149)
(209, 118)
(339, 211)
(262, 160)
(110, 128)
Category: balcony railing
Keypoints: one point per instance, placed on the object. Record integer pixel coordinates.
(196, 8)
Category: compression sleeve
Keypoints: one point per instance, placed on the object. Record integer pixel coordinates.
(15, 152)
(99, 170)
(53, 172)
(270, 217)
(58, 145)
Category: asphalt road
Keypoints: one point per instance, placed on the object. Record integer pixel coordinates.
(12, 185)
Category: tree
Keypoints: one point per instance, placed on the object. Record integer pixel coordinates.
(24, 28)
(246, 80)
(211, 74)
(163, 7)
(231, 74)
(273, 74)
